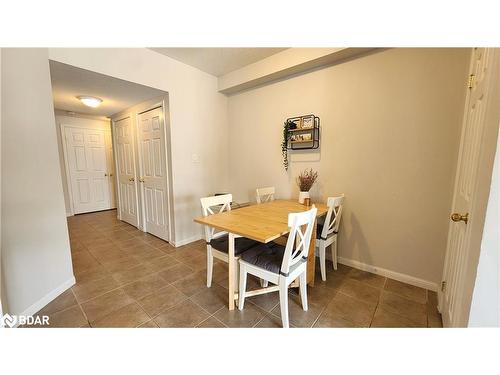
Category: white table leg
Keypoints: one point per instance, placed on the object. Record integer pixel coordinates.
(232, 268)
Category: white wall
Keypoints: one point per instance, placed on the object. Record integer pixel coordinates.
(3, 304)
(36, 256)
(198, 117)
(79, 121)
(390, 127)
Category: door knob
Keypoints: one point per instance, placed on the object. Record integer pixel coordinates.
(458, 217)
(111, 175)
(131, 179)
(105, 175)
(141, 179)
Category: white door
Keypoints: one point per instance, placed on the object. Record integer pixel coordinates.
(454, 296)
(125, 161)
(111, 169)
(86, 158)
(153, 180)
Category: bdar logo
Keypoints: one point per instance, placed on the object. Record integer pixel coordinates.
(8, 321)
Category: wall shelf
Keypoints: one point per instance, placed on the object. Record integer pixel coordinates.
(306, 134)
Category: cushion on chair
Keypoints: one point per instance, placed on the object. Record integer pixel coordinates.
(266, 256)
(319, 229)
(241, 244)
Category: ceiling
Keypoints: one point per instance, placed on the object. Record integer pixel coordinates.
(218, 61)
(68, 82)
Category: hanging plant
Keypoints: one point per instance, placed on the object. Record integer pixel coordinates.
(284, 143)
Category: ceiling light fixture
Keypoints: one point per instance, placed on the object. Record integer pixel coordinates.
(90, 101)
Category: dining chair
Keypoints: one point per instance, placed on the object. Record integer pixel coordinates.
(281, 265)
(218, 242)
(265, 194)
(326, 234)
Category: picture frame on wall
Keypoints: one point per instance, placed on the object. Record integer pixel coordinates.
(307, 122)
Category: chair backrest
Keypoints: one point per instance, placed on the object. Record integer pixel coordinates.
(219, 203)
(332, 220)
(265, 194)
(297, 247)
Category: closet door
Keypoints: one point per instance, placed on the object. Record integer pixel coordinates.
(466, 225)
(86, 154)
(153, 180)
(125, 161)
(111, 169)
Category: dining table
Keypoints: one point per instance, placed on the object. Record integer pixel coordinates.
(264, 223)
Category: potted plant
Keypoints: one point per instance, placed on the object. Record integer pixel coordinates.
(306, 180)
(287, 126)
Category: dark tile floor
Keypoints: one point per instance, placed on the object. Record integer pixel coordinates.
(126, 278)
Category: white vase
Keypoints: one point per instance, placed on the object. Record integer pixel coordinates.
(303, 195)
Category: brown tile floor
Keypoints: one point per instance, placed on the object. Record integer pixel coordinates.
(126, 278)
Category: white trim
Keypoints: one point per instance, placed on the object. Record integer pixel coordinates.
(62, 129)
(187, 240)
(68, 214)
(415, 281)
(44, 301)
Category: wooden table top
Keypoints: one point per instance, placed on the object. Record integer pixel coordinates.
(261, 222)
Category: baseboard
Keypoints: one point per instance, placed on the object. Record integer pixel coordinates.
(415, 281)
(44, 301)
(187, 240)
(68, 214)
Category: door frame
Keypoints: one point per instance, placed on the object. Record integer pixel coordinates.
(133, 112)
(479, 202)
(62, 129)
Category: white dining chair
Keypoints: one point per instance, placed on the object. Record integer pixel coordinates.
(218, 242)
(265, 194)
(281, 265)
(326, 234)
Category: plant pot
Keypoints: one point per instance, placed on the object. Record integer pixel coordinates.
(303, 195)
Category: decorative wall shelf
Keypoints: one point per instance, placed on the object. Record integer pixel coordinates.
(305, 135)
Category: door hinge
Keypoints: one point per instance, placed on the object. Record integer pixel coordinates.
(471, 81)
(443, 286)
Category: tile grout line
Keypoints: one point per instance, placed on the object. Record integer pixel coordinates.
(81, 309)
(127, 284)
(378, 303)
(171, 307)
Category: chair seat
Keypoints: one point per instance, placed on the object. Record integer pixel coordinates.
(241, 244)
(266, 256)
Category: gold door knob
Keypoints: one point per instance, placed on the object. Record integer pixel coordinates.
(111, 175)
(105, 175)
(458, 217)
(131, 179)
(141, 179)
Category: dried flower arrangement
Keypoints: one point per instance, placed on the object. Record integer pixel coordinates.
(306, 179)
